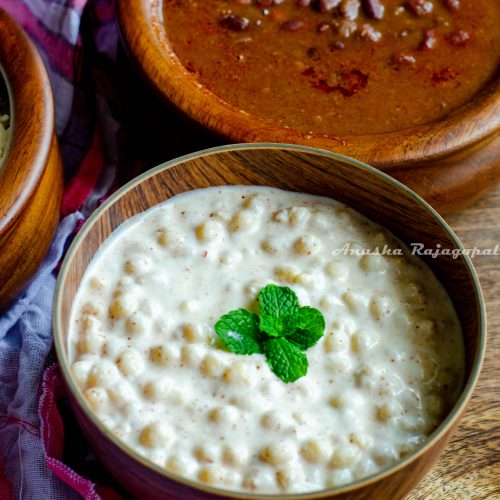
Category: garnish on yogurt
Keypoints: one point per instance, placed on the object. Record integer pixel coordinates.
(283, 331)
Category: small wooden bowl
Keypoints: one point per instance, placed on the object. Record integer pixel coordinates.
(31, 173)
(295, 168)
(450, 162)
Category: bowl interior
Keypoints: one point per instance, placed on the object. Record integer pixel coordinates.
(372, 193)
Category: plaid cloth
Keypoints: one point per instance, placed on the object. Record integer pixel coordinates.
(110, 129)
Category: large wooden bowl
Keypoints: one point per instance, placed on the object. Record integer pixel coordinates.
(368, 190)
(31, 173)
(450, 162)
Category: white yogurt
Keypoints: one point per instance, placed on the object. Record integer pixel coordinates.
(144, 352)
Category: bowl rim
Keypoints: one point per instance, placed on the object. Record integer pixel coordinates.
(30, 140)
(144, 36)
(444, 427)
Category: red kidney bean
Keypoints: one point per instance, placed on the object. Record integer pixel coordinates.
(337, 45)
(458, 38)
(419, 7)
(350, 9)
(347, 28)
(429, 40)
(451, 4)
(234, 23)
(373, 9)
(327, 5)
(402, 60)
(370, 33)
(293, 25)
(322, 27)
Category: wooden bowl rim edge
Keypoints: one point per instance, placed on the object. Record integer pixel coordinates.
(32, 143)
(453, 416)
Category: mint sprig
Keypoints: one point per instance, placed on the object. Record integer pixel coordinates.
(239, 331)
(285, 359)
(310, 328)
(282, 332)
(278, 301)
(279, 308)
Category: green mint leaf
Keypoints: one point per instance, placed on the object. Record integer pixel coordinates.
(278, 301)
(243, 332)
(279, 326)
(285, 359)
(239, 331)
(310, 328)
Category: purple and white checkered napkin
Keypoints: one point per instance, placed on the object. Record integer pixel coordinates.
(78, 40)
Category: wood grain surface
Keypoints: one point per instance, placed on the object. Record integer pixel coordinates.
(31, 173)
(469, 468)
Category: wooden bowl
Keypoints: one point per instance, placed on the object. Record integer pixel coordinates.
(295, 168)
(31, 173)
(450, 162)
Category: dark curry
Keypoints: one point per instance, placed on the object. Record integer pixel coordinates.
(339, 66)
